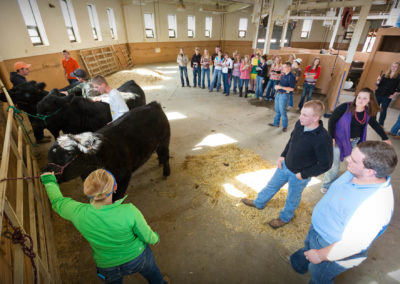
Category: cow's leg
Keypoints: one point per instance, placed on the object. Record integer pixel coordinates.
(122, 185)
(163, 158)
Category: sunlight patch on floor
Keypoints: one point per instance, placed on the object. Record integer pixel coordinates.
(175, 115)
(217, 139)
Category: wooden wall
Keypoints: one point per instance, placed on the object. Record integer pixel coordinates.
(45, 68)
(379, 61)
(145, 53)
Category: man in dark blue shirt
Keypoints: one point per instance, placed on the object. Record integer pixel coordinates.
(285, 87)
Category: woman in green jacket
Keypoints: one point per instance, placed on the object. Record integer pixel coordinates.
(117, 233)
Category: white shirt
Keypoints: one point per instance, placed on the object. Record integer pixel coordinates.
(117, 104)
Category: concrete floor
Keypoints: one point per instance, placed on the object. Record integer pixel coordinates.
(196, 245)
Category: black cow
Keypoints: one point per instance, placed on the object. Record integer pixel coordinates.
(26, 97)
(74, 115)
(120, 147)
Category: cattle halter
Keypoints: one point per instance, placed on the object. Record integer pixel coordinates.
(62, 168)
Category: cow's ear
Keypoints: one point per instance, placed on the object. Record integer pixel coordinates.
(89, 142)
(41, 86)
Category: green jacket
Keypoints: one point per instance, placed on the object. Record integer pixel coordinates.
(117, 233)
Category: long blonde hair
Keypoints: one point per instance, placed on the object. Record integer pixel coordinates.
(389, 71)
(274, 65)
(98, 184)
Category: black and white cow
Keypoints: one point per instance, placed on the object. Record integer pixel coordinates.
(73, 114)
(120, 147)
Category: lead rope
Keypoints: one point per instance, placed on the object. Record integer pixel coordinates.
(19, 237)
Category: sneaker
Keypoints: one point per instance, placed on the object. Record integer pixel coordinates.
(277, 223)
(324, 190)
(284, 129)
(271, 124)
(248, 202)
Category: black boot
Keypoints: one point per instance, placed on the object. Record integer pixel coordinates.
(245, 91)
(240, 91)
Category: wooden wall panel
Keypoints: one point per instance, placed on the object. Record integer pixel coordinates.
(379, 60)
(145, 53)
(45, 68)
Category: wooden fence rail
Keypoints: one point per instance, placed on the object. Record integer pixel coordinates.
(26, 207)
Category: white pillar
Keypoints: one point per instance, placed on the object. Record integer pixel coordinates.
(256, 35)
(285, 27)
(335, 29)
(358, 30)
(270, 28)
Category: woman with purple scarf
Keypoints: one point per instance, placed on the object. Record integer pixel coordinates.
(348, 127)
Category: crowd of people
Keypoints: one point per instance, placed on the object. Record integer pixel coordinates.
(342, 229)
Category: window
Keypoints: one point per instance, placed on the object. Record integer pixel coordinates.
(149, 25)
(305, 31)
(369, 42)
(191, 26)
(111, 21)
(94, 22)
(208, 29)
(33, 21)
(242, 27)
(69, 19)
(172, 26)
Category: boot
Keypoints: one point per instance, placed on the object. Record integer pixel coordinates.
(245, 91)
(240, 91)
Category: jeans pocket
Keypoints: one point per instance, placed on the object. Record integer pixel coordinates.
(109, 274)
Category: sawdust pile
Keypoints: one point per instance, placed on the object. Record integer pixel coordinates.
(221, 166)
(142, 76)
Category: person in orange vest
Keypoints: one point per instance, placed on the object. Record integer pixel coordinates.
(70, 65)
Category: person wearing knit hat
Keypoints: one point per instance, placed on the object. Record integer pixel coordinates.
(21, 71)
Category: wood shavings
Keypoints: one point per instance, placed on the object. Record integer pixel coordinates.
(210, 173)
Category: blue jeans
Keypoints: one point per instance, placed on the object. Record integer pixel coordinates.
(183, 69)
(236, 80)
(225, 79)
(204, 72)
(259, 89)
(307, 88)
(322, 273)
(296, 187)
(269, 94)
(244, 82)
(230, 78)
(144, 264)
(396, 127)
(216, 79)
(290, 103)
(384, 104)
(332, 174)
(281, 99)
(196, 75)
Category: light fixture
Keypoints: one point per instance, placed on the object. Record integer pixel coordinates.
(180, 7)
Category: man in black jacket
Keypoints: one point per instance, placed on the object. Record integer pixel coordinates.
(21, 71)
(196, 66)
(308, 153)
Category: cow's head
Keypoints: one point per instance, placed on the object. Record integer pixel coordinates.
(70, 154)
(53, 102)
(29, 93)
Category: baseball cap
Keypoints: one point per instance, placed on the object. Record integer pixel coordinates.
(78, 73)
(19, 65)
